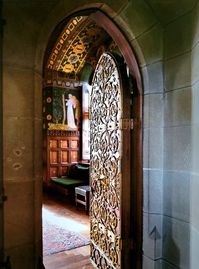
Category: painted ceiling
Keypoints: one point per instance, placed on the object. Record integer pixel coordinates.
(78, 43)
(81, 40)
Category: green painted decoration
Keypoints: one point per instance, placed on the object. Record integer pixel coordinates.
(62, 108)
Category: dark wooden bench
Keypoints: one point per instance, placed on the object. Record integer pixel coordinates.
(78, 175)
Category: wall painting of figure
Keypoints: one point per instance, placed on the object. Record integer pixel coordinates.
(65, 109)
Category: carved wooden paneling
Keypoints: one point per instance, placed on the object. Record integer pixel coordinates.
(53, 157)
(64, 156)
(53, 143)
(74, 144)
(53, 171)
(105, 164)
(64, 170)
(61, 152)
(64, 143)
(73, 156)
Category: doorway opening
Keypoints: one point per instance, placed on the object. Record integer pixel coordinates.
(73, 52)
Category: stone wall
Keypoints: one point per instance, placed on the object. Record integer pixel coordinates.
(166, 46)
(177, 177)
(194, 188)
(147, 42)
(22, 133)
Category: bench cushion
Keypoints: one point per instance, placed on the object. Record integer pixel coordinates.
(79, 171)
(67, 182)
(78, 175)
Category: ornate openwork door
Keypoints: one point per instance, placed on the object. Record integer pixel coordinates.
(109, 155)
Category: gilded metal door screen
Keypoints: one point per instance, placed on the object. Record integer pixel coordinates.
(105, 115)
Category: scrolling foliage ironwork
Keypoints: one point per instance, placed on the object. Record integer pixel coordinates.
(105, 114)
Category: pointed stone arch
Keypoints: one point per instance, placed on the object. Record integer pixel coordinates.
(135, 91)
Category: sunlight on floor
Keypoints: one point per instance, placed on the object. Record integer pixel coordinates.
(68, 218)
(63, 222)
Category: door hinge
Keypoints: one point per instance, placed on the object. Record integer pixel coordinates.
(126, 124)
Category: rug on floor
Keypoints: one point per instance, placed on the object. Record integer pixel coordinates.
(57, 239)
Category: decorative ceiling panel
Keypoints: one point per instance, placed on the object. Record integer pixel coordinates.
(77, 44)
(58, 49)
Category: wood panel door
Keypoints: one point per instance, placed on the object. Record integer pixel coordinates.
(111, 242)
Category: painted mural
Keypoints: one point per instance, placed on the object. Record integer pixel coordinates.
(62, 109)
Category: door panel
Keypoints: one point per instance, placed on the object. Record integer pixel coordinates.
(54, 157)
(54, 171)
(107, 163)
(64, 157)
(53, 143)
(64, 144)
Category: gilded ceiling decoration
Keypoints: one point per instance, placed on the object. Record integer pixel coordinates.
(76, 45)
(59, 46)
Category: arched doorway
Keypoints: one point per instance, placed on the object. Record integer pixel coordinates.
(98, 27)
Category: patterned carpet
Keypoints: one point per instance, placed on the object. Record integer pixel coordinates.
(57, 239)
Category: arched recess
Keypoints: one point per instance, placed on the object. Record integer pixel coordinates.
(135, 123)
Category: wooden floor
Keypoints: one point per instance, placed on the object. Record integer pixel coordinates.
(72, 259)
